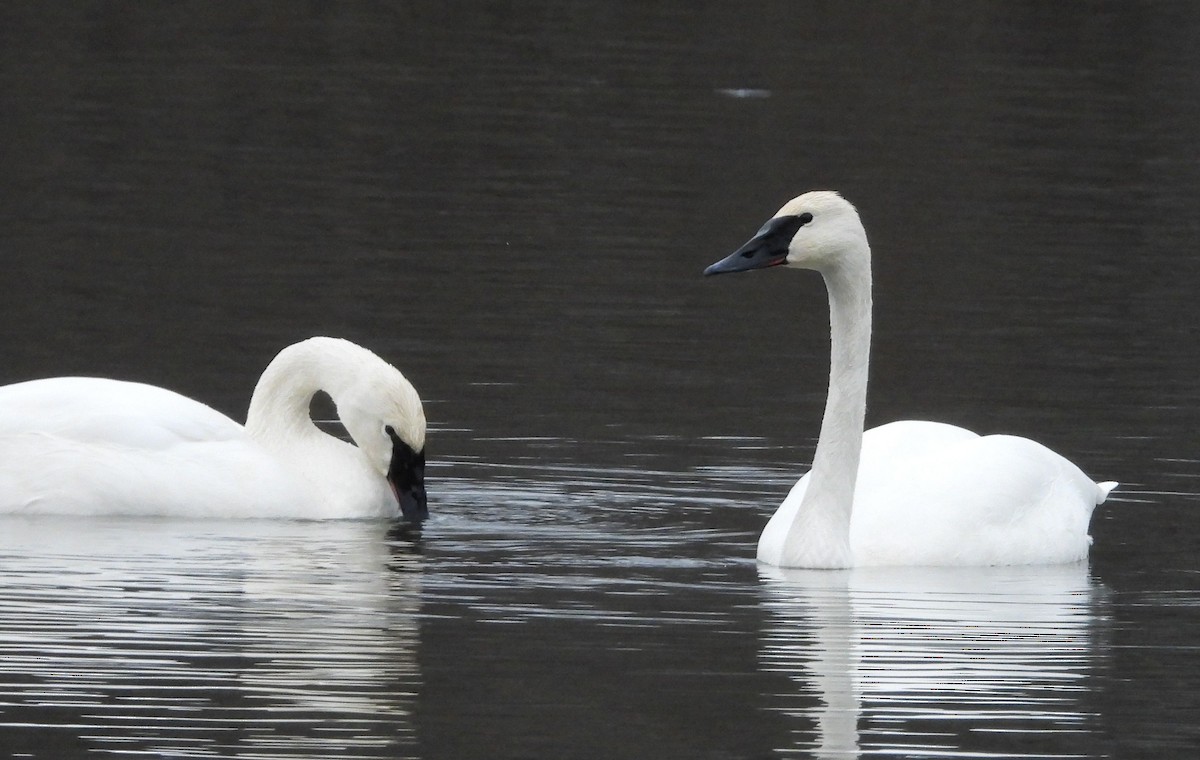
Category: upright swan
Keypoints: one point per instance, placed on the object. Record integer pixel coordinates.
(77, 445)
(911, 492)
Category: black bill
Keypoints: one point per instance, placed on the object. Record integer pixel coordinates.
(768, 248)
(406, 474)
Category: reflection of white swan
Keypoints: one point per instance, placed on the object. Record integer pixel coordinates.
(93, 446)
(912, 492)
(941, 660)
(182, 638)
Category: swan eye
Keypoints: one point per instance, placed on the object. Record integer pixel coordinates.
(804, 218)
(390, 431)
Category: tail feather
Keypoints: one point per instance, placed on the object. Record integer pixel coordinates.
(1105, 489)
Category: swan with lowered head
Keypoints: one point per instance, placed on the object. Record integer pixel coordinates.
(909, 492)
(89, 446)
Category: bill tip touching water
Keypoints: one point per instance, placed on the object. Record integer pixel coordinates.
(93, 446)
(911, 492)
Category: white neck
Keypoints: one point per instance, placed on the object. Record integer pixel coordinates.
(279, 408)
(342, 479)
(816, 531)
(835, 464)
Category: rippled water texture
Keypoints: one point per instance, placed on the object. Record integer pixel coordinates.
(935, 662)
(179, 639)
(513, 203)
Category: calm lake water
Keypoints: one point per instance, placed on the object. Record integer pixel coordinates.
(513, 202)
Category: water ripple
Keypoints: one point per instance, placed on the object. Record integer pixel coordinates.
(168, 638)
(936, 662)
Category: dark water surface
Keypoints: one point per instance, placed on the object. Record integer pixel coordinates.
(513, 202)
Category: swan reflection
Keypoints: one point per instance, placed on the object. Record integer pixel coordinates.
(239, 638)
(932, 662)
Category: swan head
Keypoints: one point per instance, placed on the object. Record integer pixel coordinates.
(817, 230)
(383, 414)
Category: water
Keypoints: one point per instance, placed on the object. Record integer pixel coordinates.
(514, 203)
(935, 662)
(177, 639)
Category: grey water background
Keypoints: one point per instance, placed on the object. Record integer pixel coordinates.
(513, 202)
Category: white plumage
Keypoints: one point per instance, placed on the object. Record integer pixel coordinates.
(910, 492)
(77, 445)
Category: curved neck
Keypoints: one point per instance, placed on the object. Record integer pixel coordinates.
(830, 495)
(279, 407)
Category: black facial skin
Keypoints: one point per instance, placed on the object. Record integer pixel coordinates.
(406, 473)
(768, 248)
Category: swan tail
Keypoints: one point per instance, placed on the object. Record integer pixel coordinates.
(1105, 489)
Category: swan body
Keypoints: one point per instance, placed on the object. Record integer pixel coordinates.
(89, 446)
(909, 492)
